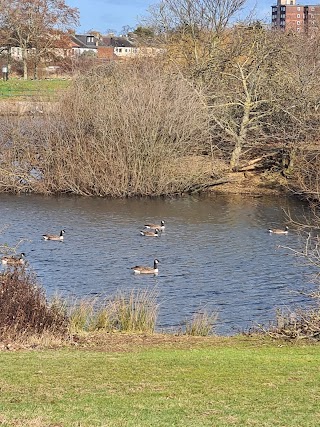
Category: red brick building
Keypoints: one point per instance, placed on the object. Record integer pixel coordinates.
(289, 16)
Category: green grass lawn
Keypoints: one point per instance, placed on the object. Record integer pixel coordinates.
(24, 89)
(244, 383)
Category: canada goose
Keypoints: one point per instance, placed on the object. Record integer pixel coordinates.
(154, 233)
(54, 237)
(279, 230)
(138, 269)
(160, 226)
(14, 259)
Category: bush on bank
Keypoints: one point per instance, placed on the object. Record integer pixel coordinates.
(118, 131)
(24, 310)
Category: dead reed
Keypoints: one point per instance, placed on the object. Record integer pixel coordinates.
(135, 311)
(25, 312)
(202, 323)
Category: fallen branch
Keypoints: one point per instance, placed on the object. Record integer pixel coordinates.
(200, 187)
(257, 163)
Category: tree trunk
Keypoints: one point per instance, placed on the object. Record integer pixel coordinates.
(35, 71)
(235, 156)
(25, 64)
(236, 153)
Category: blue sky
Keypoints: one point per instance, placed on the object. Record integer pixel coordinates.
(105, 15)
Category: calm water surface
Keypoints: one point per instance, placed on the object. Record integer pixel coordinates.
(215, 252)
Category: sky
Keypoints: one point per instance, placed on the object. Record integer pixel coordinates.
(107, 15)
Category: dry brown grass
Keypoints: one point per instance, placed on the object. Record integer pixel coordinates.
(202, 323)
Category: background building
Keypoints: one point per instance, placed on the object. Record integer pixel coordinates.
(289, 16)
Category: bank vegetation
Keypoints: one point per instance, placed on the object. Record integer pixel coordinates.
(27, 315)
(219, 100)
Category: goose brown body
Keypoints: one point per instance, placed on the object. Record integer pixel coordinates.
(279, 230)
(151, 226)
(154, 233)
(54, 236)
(14, 259)
(138, 269)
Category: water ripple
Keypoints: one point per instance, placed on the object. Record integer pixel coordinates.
(215, 252)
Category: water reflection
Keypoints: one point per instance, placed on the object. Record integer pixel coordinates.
(215, 252)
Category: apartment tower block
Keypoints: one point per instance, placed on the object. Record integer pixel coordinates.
(289, 16)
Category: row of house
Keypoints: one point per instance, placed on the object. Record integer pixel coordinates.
(95, 44)
(287, 15)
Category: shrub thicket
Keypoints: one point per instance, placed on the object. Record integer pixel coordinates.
(303, 323)
(121, 130)
(24, 310)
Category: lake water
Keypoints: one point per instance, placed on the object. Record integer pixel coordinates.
(215, 252)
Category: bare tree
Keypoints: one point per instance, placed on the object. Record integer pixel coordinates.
(34, 26)
(237, 88)
(210, 15)
(261, 85)
(254, 93)
(195, 23)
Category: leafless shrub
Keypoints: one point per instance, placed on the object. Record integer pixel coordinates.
(301, 322)
(121, 130)
(24, 310)
(306, 173)
(295, 325)
(20, 158)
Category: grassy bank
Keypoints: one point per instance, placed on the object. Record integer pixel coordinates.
(17, 89)
(221, 382)
(62, 366)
